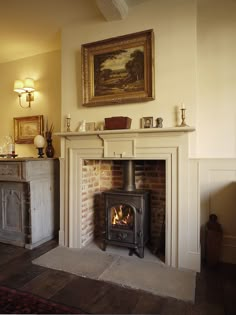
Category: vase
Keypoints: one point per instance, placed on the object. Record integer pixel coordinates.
(49, 149)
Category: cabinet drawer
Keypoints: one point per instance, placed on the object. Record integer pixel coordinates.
(10, 171)
(119, 148)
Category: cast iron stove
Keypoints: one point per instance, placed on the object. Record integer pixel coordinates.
(127, 214)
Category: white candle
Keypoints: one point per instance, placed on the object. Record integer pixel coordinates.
(68, 115)
(11, 148)
(183, 106)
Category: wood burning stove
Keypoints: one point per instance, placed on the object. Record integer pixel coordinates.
(127, 214)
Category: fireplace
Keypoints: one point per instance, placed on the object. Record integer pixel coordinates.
(171, 145)
(127, 214)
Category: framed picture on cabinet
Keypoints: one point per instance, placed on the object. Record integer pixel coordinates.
(26, 128)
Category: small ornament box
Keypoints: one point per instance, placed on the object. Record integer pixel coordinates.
(118, 122)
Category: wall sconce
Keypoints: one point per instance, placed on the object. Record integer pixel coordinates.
(22, 87)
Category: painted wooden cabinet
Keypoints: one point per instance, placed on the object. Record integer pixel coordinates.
(29, 201)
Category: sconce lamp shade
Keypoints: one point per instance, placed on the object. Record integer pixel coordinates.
(29, 85)
(39, 141)
(19, 86)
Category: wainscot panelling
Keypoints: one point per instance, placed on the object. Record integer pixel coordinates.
(218, 195)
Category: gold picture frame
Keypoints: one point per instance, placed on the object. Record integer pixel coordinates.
(118, 70)
(26, 128)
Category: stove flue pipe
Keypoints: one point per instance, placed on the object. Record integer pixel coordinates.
(129, 176)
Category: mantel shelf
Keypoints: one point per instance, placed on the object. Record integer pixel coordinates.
(126, 131)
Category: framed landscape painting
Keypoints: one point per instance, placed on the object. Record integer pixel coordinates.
(26, 128)
(118, 70)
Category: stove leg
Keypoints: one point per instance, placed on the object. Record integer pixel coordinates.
(103, 246)
(131, 251)
(141, 252)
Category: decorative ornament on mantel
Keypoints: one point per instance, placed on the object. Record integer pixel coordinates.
(159, 122)
(183, 116)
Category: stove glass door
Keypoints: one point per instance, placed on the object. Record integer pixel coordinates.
(122, 216)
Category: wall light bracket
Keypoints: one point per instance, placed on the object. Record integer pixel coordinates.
(25, 87)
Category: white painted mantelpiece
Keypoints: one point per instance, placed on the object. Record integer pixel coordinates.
(169, 144)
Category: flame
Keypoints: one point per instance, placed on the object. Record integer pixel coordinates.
(121, 217)
(115, 217)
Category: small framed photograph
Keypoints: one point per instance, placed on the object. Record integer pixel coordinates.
(90, 126)
(26, 128)
(147, 122)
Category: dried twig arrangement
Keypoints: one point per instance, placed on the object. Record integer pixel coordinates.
(48, 133)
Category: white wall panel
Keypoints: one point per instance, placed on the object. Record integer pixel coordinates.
(218, 195)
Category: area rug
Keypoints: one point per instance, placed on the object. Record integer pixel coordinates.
(131, 272)
(18, 302)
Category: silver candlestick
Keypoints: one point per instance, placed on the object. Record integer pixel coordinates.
(183, 123)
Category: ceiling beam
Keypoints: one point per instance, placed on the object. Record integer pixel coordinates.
(113, 9)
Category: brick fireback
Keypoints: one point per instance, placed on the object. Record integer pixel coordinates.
(101, 175)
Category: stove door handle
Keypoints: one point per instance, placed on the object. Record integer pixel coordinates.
(140, 234)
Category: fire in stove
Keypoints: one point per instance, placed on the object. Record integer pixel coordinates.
(122, 217)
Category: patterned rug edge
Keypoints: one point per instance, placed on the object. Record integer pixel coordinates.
(14, 301)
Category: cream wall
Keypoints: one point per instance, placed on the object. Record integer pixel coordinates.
(216, 113)
(195, 48)
(174, 25)
(45, 69)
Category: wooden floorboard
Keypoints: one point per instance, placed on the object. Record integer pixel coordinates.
(48, 283)
(215, 288)
(9, 252)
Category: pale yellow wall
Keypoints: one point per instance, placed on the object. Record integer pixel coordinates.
(45, 69)
(216, 113)
(174, 25)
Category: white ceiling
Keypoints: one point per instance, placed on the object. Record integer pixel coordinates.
(30, 27)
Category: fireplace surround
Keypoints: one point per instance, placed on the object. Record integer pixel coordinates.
(166, 144)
